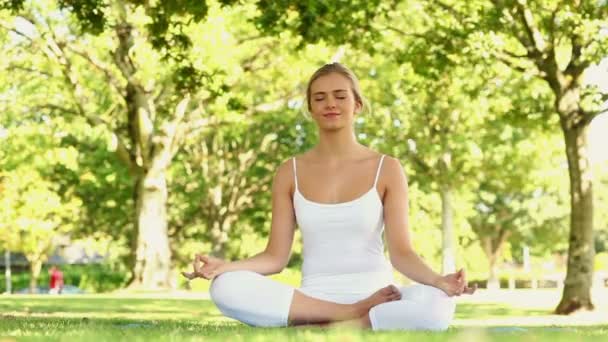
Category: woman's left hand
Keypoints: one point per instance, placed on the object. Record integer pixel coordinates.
(455, 284)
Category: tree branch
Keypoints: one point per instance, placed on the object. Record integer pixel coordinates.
(270, 106)
(527, 19)
(592, 114)
(176, 135)
(514, 55)
(450, 9)
(247, 39)
(121, 150)
(510, 63)
(403, 33)
(55, 52)
(552, 23)
(522, 39)
(28, 69)
(139, 107)
(7, 27)
(55, 107)
(99, 65)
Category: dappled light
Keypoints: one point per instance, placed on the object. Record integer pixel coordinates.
(244, 170)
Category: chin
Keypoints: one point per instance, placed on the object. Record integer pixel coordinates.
(332, 128)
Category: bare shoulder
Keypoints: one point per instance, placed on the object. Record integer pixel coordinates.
(283, 179)
(392, 170)
(307, 157)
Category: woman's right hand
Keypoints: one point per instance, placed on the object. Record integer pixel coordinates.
(205, 266)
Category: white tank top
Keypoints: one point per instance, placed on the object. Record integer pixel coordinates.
(343, 251)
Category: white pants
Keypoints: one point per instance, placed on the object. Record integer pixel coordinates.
(260, 301)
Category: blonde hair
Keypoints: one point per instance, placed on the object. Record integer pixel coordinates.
(338, 68)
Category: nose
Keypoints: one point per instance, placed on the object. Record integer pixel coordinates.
(330, 103)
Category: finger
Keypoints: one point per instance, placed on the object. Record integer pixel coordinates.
(459, 273)
(188, 275)
(394, 296)
(471, 290)
(464, 275)
(208, 268)
(196, 266)
(212, 275)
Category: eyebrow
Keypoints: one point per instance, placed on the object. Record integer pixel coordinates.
(323, 93)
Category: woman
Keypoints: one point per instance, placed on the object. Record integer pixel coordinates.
(342, 195)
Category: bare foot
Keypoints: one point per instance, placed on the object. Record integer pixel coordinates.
(385, 294)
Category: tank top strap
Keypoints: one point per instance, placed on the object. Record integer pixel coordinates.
(295, 172)
(378, 171)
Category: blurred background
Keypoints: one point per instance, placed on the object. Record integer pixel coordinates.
(135, 134)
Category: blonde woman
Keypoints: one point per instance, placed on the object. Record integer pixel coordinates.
(343, 196)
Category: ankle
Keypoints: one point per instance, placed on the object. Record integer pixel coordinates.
(359, 309)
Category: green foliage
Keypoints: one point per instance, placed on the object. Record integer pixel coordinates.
(331, 21)
(235, 164)
(90, 14)
(442, 77)
(34, 211)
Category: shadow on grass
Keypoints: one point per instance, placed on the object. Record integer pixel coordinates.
(125, 308)
(495, 310)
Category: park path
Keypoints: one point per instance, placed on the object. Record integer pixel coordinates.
(530, 308)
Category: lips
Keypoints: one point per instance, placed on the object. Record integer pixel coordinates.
(331, 115)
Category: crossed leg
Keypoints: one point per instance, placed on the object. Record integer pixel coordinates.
(260, 301)
(306, 310)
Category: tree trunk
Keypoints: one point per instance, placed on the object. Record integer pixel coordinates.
(447, 229)
(153, 145)
(219, 235)
(492, 249)
(35, 267)
(577, 286)
(7, 272)
(153, 255)
(493, 282)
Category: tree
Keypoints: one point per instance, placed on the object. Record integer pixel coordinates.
(100, 55)
(146, 136)
(557, 42)
(34, 213)
(517, 200)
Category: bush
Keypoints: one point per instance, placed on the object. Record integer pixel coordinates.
(601, 261)
(91, 278)
(520, 283)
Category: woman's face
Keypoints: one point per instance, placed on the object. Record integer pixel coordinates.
(332, 102)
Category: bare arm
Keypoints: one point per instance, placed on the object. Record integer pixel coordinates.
(402, 255)
(276, 255)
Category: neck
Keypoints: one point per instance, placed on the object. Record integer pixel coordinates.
(338, 144)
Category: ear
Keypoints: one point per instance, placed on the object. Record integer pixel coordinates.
(358, 107)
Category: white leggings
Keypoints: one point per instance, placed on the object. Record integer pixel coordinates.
(257, 300)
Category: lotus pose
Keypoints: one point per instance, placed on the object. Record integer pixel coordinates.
(343, 196)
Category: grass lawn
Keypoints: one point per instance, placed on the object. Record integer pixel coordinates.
(522, 315)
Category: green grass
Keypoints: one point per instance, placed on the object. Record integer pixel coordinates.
(120, 318)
